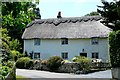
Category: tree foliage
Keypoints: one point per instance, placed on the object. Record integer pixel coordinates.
(8, 44)
(114, 40)
(16, 15)
(111, 13)
(94, 13)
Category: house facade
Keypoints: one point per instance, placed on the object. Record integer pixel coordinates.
(67, 38)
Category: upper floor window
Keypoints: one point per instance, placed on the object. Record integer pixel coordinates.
(64, 41)
(95, 55)
(94, 41)
(37, 42)
(65, 55)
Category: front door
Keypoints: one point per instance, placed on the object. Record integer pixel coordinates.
(83, 54)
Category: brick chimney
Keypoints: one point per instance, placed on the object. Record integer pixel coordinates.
(59, 15)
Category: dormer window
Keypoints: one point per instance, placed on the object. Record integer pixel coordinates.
(94, 41)
(64, 41)
(36, 42)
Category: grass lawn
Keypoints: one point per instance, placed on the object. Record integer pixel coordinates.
(22, 78)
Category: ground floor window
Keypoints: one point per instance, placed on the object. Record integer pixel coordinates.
(64, 55)
(36, 55)
(95, 55)
(83, 54)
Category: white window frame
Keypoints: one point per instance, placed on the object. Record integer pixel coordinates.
(64, 55)
(37, 42)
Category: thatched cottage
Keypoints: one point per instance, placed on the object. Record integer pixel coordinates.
(67, 37)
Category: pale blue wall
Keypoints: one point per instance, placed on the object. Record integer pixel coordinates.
(53, 47)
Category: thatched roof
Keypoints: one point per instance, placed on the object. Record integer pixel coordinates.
(76, 27)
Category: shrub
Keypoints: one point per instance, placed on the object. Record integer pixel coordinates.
(114, 41)
(5, 70)
(29, 64)
(85, 63)
(24, 63)
(44, 62)
(15, 54)
(10, 64)
(54, 63)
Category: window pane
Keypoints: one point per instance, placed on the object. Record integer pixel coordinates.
(64, 41)
(65, 55)
(94, 41)
(95, 55)
(36, 41)
(36, 55)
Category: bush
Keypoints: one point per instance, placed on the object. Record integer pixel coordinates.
(15, 54)
(85, 63)
(24, 63)
(10, 64)
(54, 62)
(114, 42)
(44, 62)
(29, 64)
(65, 61)
(4, 71)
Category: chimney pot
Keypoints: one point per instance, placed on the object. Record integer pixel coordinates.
(59, 14)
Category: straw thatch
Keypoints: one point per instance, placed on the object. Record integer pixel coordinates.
(76, 27)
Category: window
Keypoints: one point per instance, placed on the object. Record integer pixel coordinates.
(65, 55)
(64, 41)
(83, 54)
(94, 41)
(95, 55)
(36, 55)
(37, 42)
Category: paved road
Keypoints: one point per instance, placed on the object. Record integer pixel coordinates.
(45, 74)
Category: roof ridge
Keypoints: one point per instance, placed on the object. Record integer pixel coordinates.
(57, 21)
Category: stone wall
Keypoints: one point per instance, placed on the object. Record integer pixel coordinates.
(72, 67)
(69, 67)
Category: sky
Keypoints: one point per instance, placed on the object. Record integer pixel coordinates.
(68, 8)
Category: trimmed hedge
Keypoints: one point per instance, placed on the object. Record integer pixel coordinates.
(85, 63)
(24, 63)
(54, 63)
(114, 42)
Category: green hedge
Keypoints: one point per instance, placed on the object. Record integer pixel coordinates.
(114, 42)
(54, 63)
(24, 63)
(84, 62)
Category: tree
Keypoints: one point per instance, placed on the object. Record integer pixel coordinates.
(5, 44)
(8, 44)
(16, 15)
(94, 13)
(110, 11)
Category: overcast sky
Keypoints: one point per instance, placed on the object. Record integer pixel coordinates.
(68, 8)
